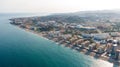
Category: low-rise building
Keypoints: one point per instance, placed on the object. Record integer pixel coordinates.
(101, 36)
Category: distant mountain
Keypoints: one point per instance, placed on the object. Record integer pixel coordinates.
(92, 13)
(84, 16)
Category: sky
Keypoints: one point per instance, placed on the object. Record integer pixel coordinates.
(56, 6)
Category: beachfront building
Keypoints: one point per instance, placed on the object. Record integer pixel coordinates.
(91, 47)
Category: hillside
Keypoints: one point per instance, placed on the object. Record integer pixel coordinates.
(84, 16)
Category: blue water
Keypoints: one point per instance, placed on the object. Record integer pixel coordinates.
(19, 48)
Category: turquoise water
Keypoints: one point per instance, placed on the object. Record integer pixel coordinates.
(19, 48)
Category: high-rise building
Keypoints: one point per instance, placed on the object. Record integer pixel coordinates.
(115, 41)
(117, 55)
(114, 47)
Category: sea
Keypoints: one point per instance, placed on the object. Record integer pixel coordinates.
(19, 48)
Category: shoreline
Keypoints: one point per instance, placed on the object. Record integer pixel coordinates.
(82, 51)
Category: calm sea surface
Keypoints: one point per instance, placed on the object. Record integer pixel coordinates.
(19, 48)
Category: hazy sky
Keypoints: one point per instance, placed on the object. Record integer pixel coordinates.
(57, 6)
